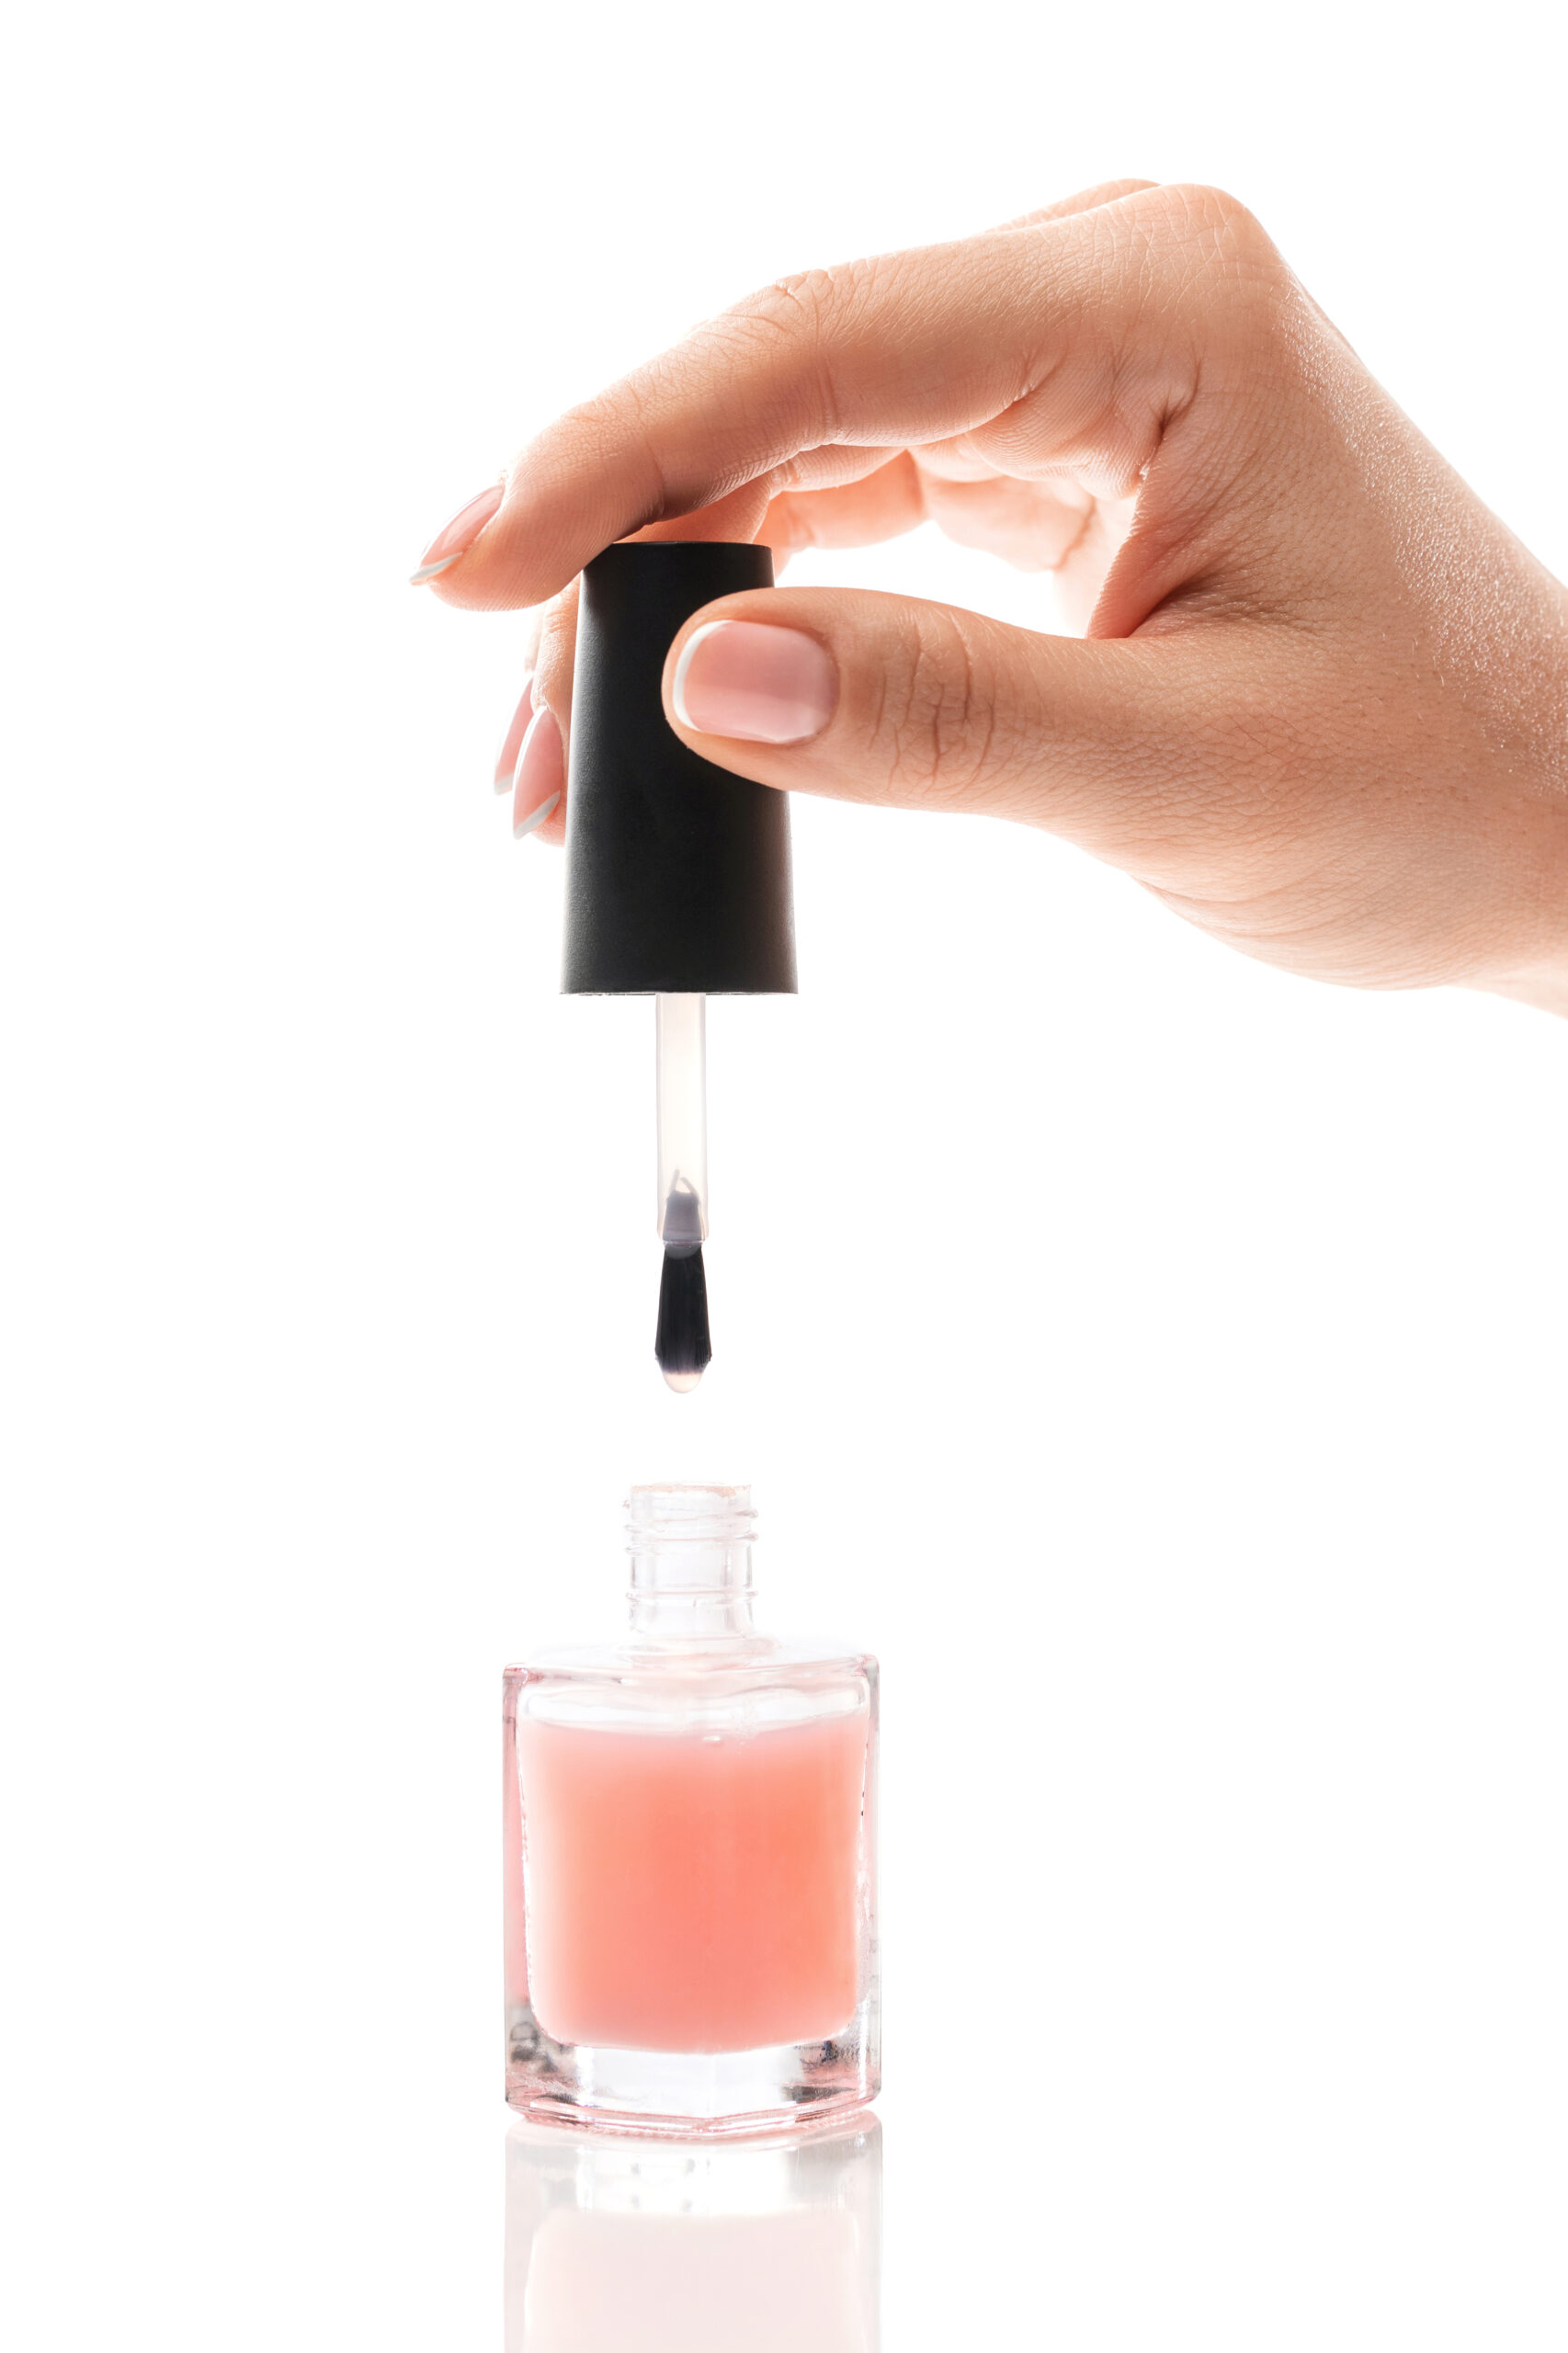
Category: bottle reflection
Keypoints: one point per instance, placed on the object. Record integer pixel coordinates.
(654, 2246)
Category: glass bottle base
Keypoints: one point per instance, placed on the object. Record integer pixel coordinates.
(781, 2087)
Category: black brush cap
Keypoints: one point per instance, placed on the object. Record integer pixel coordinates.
(678, 873)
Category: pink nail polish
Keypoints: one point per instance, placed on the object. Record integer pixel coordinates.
(458, 535)
(690, 1865)
(752, 680)
(512, 741)
(541, 775)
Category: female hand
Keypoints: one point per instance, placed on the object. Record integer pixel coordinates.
(1322, 706)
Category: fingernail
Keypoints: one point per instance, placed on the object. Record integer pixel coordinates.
(747, 678)
(542, 775)
(512, 741)
(531, 824)
(458, 535)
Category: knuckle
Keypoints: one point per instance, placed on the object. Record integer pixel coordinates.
(932, 720)
(798, 298)
(1213, 236)
(803, 307)
(802, 319)
(789, 312)
(810, 298)
(1214, 209)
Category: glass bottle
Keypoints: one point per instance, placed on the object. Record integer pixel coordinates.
(689, 1854)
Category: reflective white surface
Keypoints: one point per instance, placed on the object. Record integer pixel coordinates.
(636, 2246)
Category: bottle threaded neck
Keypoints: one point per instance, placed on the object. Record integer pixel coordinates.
(685, 1514)
(690, 1550)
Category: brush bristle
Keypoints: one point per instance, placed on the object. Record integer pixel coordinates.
(682, 1344)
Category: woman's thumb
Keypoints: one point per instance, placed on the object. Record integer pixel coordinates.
(888, 699)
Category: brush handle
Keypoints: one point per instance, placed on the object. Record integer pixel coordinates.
(681, 1027)
(678, 872)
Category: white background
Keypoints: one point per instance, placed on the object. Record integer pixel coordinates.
(1158, 1359)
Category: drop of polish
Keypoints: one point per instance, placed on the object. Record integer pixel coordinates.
(683, 1383)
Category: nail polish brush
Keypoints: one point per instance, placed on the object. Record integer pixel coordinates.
(677, 877)
(681, 1342)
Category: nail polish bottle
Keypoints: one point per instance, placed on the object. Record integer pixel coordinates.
(689, 1854)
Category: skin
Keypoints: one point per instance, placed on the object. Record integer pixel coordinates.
(1321, 703)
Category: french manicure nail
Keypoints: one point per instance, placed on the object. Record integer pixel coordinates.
(538, 818)
(542, 774)
(512, 741)
(458, 535)
(749, 679)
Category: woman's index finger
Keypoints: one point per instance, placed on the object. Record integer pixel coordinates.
(903, 348)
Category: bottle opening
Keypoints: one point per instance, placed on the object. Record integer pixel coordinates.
(690, 1539)
(690, 1512)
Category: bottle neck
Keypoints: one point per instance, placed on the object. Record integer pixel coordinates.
(691, 1572)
